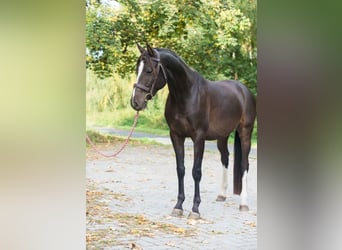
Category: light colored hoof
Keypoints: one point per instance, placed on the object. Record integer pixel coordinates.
(221, 198)
(244, 208)
(177, 212)
(194, 216)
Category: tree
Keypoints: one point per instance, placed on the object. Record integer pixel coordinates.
(215, 37)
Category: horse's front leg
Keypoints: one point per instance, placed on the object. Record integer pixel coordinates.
(197, 175)
(178, 146)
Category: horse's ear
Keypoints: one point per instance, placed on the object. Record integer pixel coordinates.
(150, 50)
(142, 50)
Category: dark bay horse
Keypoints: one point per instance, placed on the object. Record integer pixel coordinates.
(202, 110)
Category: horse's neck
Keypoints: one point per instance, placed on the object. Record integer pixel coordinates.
(181, 89)
(181, 82)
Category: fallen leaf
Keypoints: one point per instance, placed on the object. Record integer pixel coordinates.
(192, 222)
(250, 223)
(133, 246)
(171, 244)
(179, 230)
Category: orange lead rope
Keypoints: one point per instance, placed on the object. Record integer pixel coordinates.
(122, 146)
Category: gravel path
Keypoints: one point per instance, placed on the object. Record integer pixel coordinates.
(130, 198)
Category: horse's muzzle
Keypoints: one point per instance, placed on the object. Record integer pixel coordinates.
(138, 106)
(140, 97)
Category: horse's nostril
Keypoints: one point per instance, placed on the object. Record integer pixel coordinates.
(135, 104)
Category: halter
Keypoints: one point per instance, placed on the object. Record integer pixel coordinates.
(149, 94)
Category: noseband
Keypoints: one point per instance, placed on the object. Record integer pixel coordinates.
(156, 70)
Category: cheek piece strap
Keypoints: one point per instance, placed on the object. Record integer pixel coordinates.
(156, 70)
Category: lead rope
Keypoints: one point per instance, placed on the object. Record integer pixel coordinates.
(122, 146)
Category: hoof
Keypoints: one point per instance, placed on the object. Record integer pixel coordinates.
(194, 216)
(244, 208)
(220, 198)
(177, 212)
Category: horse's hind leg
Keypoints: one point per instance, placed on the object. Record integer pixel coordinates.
(245, 134)
(222, 147)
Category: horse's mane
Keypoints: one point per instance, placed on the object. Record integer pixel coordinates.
(168, 51)
(173, 54)
(176, 57)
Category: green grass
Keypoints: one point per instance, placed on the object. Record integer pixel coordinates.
(122, 119)
(97, 137)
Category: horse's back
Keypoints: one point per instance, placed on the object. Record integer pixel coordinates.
(233, 92)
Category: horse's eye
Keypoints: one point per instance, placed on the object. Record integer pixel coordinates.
(149, 71)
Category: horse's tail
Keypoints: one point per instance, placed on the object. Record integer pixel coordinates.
(237, 164)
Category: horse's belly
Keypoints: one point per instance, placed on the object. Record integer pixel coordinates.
(213, 135)
(216, 131)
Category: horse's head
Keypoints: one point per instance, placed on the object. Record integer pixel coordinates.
(151, 77)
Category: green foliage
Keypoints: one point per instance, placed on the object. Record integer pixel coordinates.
(215, 37)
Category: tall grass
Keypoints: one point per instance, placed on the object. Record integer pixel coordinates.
(107, 104)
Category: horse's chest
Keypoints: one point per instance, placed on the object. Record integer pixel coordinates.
(183, 124)
(179, 122)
